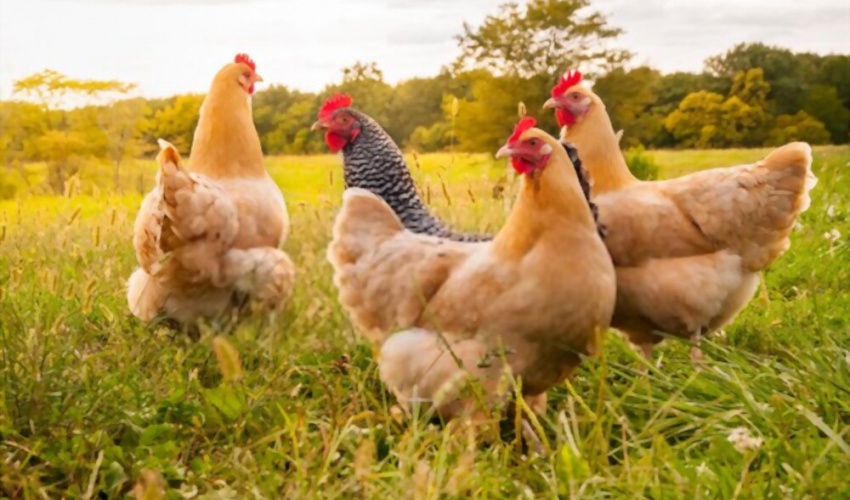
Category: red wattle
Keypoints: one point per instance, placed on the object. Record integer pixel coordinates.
(564, 117)
(334, 141)
(521, 166)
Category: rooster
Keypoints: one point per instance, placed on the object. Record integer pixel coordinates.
(688, 250)
(372, 161)
(210, 232)
(537, 296)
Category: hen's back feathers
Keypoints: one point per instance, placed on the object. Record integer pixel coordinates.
(752, 208)
(185, 238)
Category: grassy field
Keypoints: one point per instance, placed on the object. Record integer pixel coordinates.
(94, 404)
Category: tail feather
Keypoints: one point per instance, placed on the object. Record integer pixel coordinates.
(364, 222)
(796, 160)
(145, 295)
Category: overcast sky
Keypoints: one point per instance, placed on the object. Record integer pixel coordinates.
(174, 46)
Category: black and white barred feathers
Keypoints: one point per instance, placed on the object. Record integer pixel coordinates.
(373, 161)
(584, 182)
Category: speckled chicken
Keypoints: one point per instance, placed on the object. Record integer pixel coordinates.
(372, 161)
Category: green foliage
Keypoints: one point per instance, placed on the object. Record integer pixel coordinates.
(94, 404)
(434, 138)
(539, 39)
(641, 164)
(785, 72)
(822, 103)
(176, 122)
(708, 120)
(629, 98)
(798, 127)
(749, 96)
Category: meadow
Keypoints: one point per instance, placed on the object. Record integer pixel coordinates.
(94, 404)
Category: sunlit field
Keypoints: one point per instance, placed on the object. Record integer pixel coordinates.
(94, 404)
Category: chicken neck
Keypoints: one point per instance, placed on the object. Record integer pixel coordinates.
(600, 152)
(226, 144)
(550, 202)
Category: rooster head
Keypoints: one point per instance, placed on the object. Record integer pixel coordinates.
(570, 100)
(244, 71)
(527, 147)
(340, 124)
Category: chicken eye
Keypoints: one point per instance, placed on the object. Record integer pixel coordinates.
(532, 142)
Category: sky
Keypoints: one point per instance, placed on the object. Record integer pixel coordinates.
(176, 46)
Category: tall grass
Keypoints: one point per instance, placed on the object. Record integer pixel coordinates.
(94, 404)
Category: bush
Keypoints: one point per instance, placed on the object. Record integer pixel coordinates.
(799, 127)
(641, 164)
(10, 183)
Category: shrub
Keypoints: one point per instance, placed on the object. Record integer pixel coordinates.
(641, 164)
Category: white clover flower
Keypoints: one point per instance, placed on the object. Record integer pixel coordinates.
(830, 211)
(832, 235)
(743, 441)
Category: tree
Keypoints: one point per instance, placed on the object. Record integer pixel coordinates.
(372, 95)
(69, 136)
(484, 119)
(695, 122)
(176, 122)
(629, 97)
(123, 125)
(835, 71)
(798, 127)
(749, 86)
(822, 103)
(539, 39)
(785, 72)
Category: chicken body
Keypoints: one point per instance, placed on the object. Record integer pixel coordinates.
(540, 293)
(687, 250)
(211, 232)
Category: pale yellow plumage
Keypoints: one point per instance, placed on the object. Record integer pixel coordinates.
(214, 228)
(542, 291)
(688, 250)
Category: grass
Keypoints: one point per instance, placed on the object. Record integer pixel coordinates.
(94, 404)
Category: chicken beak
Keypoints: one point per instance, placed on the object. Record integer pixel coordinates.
(257, 77)
(317, 126)
(551, 103)
(504, 152)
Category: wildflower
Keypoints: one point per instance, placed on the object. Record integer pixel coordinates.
(832, 235)
(830, 211)
(743, 441)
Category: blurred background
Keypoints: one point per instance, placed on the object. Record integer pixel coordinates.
(86, 86)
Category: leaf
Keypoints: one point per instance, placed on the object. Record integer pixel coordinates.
(227, 399)
(228, 359)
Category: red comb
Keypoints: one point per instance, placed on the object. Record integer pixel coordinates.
(335, 102)
(246, 59)
(524, 124)
(568, 79)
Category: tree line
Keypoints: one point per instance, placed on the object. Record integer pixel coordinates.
(752, 95)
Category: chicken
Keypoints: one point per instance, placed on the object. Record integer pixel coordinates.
(209, 233)
(372, 161)
(540, 293)
(687, 250)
